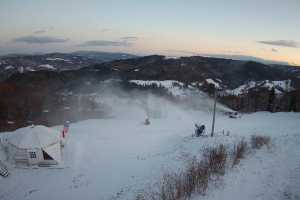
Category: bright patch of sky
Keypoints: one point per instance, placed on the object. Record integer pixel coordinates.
(263, 28)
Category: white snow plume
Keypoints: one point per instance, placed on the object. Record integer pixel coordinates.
(189, 96)
(135, 104)
(140, 104)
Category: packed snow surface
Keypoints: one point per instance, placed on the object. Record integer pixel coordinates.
(118, 157)
(9, 67)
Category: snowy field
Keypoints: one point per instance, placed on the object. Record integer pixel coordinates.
(119, 157)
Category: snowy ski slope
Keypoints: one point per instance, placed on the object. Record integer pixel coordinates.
(119, 157)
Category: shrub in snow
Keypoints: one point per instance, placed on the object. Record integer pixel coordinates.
(216, 159)
(139, 197)
(194, 178)
(258, 141)
(239, 152)
(197, 175)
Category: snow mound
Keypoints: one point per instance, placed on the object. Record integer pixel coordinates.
(27, 69)
(9, 67)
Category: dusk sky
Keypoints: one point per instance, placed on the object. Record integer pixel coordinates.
(268, 29)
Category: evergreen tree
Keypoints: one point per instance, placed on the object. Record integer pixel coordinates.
(271, 100)
(292, 106)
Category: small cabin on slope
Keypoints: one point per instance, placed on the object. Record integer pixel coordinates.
(34, 145)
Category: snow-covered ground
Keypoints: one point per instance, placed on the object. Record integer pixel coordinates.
(267, 174)
(119, 157)
(279, 86)
(175, 88)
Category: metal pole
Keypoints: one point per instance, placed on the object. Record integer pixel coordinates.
(214, 114)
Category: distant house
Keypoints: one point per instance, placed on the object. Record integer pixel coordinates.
(233, 115)
(34, 145)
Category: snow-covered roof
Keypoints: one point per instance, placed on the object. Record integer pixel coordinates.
(34, 137)
(211, 81)
(47, 66)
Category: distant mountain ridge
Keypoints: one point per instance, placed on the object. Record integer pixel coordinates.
(12, 64)
(231, 73)
(247, 58)
(50, 96)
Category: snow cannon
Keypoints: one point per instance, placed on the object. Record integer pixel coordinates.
(147, 121)
(65, 129)
(64, 133)
(199, 130)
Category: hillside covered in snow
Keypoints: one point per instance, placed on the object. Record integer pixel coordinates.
(46, 94)
(131, 126)
(121, 158)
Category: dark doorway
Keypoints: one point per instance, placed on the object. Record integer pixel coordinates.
(47, 156)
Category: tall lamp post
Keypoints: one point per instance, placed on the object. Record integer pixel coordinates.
(214, 113)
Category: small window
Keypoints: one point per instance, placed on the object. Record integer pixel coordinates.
(32, 154)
